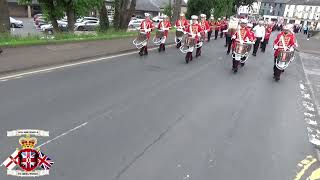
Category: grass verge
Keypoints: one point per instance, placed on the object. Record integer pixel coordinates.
(7, 40)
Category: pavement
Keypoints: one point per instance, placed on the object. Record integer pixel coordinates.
(31, 57)
(153, 118)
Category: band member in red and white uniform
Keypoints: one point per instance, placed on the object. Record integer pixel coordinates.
(267, 36)
(251, 35)
(217, 28)
(164, 26)
(180, 25)
(211, 24)
(146, 26)
(242, 35)
(193, 31)
(224, 26)
(204, 26)
(285, 40)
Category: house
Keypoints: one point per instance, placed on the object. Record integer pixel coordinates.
(273, 9)
(18, 10)
(303, 12)
(252, 9)
(155, 7)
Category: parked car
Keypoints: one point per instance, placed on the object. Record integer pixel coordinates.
(15, 23)
(135, 23)
(157, 19)
(88, 25)
(87, 19)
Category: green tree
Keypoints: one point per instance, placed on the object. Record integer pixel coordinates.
(167, 10)
(223, 8)
(4, 17)
(52, 9)
(176, 10)
(196, 7)
(124, 10)
(104, 20)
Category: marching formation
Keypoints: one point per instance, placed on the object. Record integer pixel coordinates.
(241, 36)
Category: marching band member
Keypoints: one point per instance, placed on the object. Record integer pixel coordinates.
(146, 26)
(217, 29)
(181, 24)
(285, 41)
(164, 26)
(193, 30)
(251, 35)
(266, 37)
(224, 26)
(204, 26)
(211, 24)
(232, 27)
(240, 36)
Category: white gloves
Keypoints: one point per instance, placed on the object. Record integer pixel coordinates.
(205, 31)
(291, 49)
(233, 37)
(275, 47)
(241, 42)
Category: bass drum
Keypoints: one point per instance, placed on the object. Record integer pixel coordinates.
(157, 39)
(140, 40)
(188, 45)
(284, 59)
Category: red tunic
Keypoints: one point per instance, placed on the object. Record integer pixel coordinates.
(181, 24)
(218, 25)
(194, 30)
(205, 25)
(211, 23)
(288, 39)
(163, 25)
(244, 34)
(268, 32)
(251, 35)
(146, 25)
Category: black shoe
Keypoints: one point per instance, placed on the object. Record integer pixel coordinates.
(282, 71)
(1, 51)
(277, 78)
(225, 45)
(228, 53)
(254, 55)
(163, 48)
(235, 70)
(140, 53)
(242, 64)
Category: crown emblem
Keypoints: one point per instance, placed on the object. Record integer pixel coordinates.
(28, 142)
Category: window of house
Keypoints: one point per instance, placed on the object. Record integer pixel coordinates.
(280, 5)
(278, 13)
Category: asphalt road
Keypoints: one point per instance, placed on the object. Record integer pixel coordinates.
(156, 118)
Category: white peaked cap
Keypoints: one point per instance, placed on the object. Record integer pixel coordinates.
(288, 27)
(244, 21)
(181, 14)
(250, 25)
(203, 15)
(194, 17)
(146, 14)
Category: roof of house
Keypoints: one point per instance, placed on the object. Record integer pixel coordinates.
(155, 5)
(305, 2)
(146, 5)
(275, 1)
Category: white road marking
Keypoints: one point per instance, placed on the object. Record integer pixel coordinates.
(44, 70)
(61, 135)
